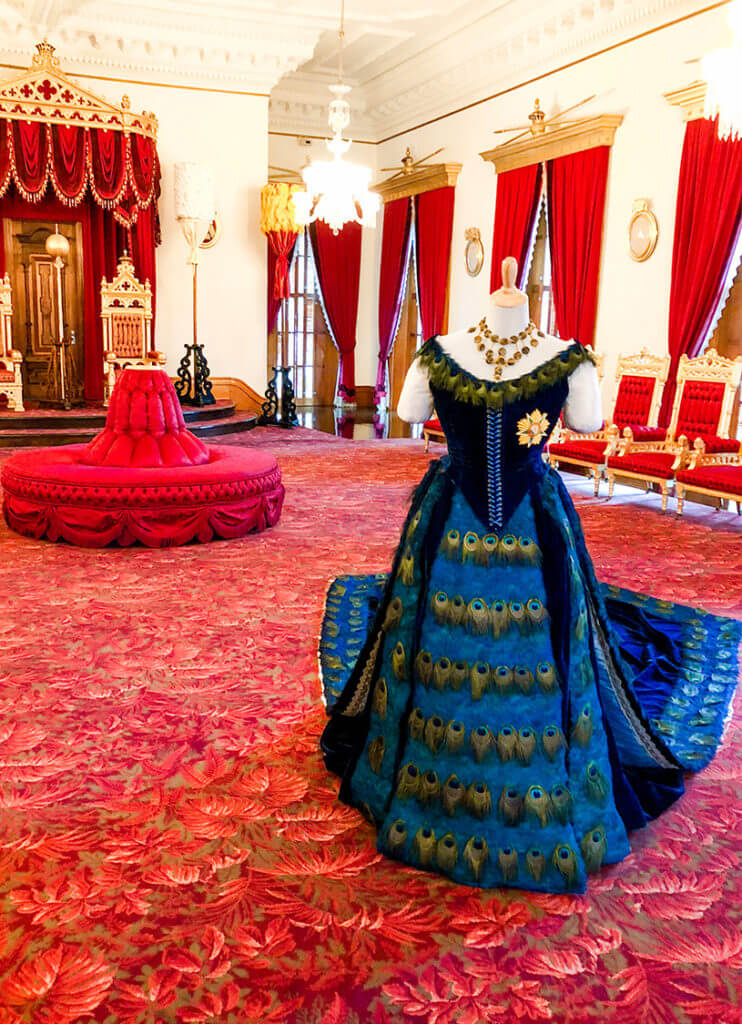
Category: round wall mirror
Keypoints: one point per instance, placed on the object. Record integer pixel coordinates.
(643, 232)
(474, 252)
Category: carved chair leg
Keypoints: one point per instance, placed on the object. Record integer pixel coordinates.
(427, 443)
(739, 508)
(664, 496)
(596, 480)
(680, 494)
(611, 484)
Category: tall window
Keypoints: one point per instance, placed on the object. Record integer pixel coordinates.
(539, 283)
(301, 323)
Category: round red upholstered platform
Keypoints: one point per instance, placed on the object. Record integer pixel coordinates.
(143, 478)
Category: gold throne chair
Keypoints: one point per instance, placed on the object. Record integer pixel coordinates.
(11, 378)
(126, 315)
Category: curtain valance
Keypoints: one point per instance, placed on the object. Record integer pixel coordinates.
(118, 170)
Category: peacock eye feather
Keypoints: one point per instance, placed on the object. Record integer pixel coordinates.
(406, 572)
(399, 661)
(502, 678)
(451, 544)
(393, 614)
(546, 676)
(396, 837)
(459, 674)
(480, 680)
(434, 732)
(416, 724)
(596, 784)
(523, 678)
(424, 667)
(510, 805)
(440, 605)
(525, 745)
(583, 727)
(552, 741)
(500, 616)
(506, 743)
(536, 863)
(457, 611)
(378, 702)
(424, 846)
(452, 795)
(561, 801)
(408, 781)
(470, 548)
(508, 547)
(507, 859)
(454, 737)
(476, 855)
(441, 673)
(446, 853)
(376, 750)
(594, 846)
(564, 860)
(478, 617)
(537, 804)
(481, 741)
(528, 551)
(430, 788)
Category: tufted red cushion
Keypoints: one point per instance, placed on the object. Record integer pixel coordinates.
(7, 376)
(700, 408)
(715, 445)
(648, 433)
(715, 478)
(654, 464)
(434, 424)
(585, 451)
(145, 426)
(633, 400)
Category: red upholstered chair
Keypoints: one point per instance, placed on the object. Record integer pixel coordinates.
(432, 431)
(126, 316)
(11, 380)
(718, 475)
(703, 407)
(639, 383)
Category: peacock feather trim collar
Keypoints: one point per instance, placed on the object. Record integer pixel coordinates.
(445, 374)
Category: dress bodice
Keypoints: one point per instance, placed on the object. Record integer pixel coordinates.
(496, 432)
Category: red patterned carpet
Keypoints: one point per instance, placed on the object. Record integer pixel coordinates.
(171, 849)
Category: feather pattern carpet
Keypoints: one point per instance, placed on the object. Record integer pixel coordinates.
(171, 847)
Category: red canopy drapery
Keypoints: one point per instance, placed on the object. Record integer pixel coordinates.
(433, 231)
(708, 220)
(516, 205)
(119, 170)
(337, 261)
(394, 251)
(576, 188)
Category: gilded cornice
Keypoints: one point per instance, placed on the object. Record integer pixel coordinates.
(691, 100)
(425, 179)
(555, 142)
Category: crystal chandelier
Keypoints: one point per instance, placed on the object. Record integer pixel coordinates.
(722, 71)
(337, 191)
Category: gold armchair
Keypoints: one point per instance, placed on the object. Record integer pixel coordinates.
(11, 361)
(126, 316)
(702, 411)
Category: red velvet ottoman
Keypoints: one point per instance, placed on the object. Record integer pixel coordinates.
(143, 478)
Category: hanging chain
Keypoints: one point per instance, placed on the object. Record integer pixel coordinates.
(341, 37)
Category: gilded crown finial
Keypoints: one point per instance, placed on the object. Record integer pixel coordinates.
(125, 102)
(45, 58)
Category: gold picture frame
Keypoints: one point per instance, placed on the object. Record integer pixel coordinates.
(643, 232)
(474, 252)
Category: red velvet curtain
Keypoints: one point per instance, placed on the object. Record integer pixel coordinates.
(708, 219)
(394, 250)
(516, 205)
(280, 251)
(576, 187)
(337, 261)
(433, 231)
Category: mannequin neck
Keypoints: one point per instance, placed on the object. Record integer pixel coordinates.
(507, 320)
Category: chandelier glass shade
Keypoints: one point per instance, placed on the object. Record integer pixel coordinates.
(337, 191)
(722, 71)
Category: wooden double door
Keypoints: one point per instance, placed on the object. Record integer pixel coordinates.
(36, 303)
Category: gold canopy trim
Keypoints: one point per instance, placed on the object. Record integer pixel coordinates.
(570, 138)
(416, 182)
(43, 93)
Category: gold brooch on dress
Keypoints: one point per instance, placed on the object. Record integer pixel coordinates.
(533, 428)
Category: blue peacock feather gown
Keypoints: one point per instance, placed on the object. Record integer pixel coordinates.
(499, 715)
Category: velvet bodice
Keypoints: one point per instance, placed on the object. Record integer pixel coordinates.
(496, 432)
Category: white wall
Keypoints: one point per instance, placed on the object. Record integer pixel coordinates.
(630, 80)
(229, 133)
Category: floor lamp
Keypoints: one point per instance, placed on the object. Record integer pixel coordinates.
(194, 210)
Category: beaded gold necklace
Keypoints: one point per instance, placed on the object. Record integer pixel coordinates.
(501, 352)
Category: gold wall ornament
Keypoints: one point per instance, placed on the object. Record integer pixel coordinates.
(473, 252)
(643, 231)
(562, 140)
(43, 93)
(277, 208)
(533, 428)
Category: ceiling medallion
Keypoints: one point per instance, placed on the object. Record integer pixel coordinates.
(337, 191)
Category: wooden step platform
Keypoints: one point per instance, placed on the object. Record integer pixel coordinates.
(40, 428)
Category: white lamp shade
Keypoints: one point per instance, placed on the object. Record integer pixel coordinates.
(194, 192)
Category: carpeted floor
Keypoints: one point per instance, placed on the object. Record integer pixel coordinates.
(171, 849)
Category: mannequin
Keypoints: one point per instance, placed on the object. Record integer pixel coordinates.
(507, 314)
